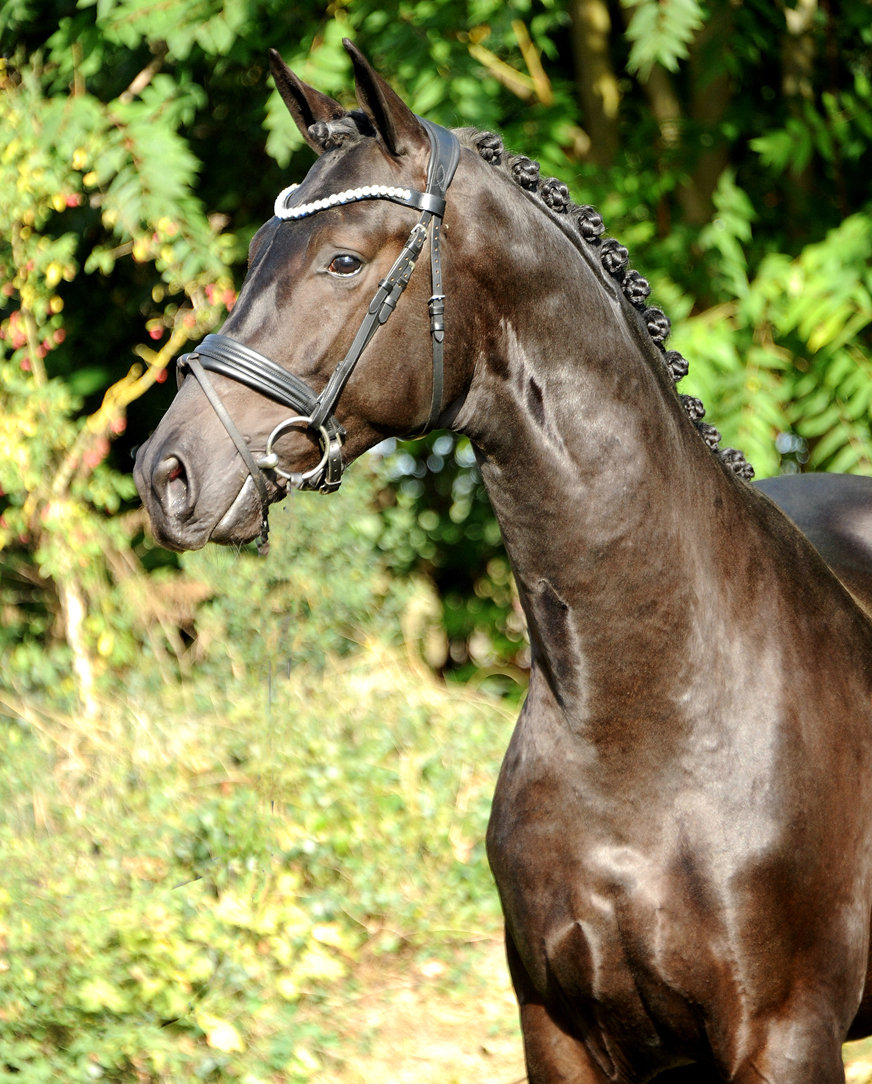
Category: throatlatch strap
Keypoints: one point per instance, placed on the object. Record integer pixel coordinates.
(444, 158)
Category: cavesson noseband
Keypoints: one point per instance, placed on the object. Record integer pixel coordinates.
(221, 354)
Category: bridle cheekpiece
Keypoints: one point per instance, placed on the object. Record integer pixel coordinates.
(227, 357)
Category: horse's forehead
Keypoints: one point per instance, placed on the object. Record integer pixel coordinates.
(363, 162)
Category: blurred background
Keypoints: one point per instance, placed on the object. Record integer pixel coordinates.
(229, 787)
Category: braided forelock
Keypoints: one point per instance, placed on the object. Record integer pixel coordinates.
(351, 128)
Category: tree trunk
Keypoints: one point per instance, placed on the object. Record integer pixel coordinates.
(710, 99)
(797, 69)
(712, 91)
(74, 611)
(597, 86)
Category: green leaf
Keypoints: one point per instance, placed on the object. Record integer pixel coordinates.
(660, 32)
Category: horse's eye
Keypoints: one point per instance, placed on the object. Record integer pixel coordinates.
(345, 265)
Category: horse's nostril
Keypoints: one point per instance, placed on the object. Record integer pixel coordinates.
(171, 486)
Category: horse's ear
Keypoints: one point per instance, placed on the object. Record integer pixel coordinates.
(305, 104)
(393, 120)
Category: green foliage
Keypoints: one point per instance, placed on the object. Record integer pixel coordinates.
(121, 173)
(660, 32)
(787, 353)
(192, 869)
(440, 521)
(841, 130)
(312, 596)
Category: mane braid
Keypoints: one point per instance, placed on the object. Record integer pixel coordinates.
(615, 259)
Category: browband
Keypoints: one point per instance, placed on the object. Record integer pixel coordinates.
(420, 201)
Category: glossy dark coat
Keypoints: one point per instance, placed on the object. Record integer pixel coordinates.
(681, 830)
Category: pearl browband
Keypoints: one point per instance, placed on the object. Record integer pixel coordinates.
(420, 201)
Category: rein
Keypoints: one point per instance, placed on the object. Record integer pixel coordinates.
(223, 355)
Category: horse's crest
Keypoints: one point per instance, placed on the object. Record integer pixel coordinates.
(615, 258)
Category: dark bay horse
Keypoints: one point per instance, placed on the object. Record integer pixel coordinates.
(682, 829)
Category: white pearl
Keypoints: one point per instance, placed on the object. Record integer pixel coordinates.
(407, 194)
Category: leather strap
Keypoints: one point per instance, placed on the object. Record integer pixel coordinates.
(380, 308)
(224, 355)
(257, 475)
(444, 158)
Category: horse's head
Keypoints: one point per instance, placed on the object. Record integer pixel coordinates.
(324, 275)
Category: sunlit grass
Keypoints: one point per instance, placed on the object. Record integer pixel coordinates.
(181, 888)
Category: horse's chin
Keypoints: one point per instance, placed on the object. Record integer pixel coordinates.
(242, 521)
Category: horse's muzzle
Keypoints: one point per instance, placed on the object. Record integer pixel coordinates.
(185, 515)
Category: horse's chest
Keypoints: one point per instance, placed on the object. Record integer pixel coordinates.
(576, 870)
(592, 916)
(638, 899)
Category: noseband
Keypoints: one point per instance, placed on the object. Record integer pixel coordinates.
(223, 355)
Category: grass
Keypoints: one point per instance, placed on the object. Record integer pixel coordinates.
(192, 883)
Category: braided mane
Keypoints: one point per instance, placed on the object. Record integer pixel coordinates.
(615, 259)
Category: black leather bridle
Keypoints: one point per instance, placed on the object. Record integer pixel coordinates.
(223, 355)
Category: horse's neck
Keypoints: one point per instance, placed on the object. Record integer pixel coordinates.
(607, 499)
